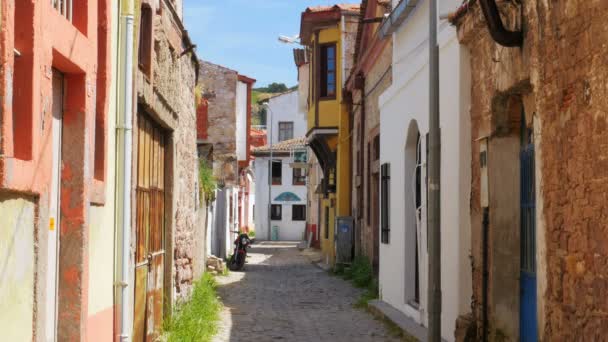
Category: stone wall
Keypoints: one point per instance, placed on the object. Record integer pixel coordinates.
(558, 75)
(169, 98)
(219, 86)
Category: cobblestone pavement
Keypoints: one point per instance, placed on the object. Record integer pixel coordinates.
(282, 296)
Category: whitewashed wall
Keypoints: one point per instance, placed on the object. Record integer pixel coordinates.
(404, 108)
(283, 108)
(288, 230)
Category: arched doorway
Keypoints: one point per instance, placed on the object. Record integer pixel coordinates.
(413, 204)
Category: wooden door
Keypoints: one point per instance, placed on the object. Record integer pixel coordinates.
(150, 252)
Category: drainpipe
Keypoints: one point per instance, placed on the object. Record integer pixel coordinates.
(498, 32)
(434, 191)
(485, 273)
(124, 160)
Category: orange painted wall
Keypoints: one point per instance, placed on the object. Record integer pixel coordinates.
(48, 41)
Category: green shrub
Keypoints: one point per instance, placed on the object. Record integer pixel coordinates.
(196, 319)
(206, 180)
(362, 273)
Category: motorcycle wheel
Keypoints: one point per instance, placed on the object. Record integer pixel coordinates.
(232, 264)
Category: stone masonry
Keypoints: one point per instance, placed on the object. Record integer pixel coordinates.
(219, 87)
(559, 76)
(168, 96)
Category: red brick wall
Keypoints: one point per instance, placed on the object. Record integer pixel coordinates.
(560, 71)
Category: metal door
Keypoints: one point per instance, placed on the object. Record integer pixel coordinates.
(149, 253)
(528, 320)
(54, 206)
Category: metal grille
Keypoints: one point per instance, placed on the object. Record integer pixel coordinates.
(64, 7)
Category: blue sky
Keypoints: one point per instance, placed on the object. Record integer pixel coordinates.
(242, 35)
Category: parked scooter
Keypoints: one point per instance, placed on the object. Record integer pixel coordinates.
(237, 260)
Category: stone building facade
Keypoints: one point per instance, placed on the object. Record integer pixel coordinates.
(164, 140)
(226, 124)
(545, 99)
(370, 77)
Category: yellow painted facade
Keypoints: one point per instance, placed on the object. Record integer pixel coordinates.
(333, 113)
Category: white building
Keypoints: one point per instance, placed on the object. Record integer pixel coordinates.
(404, 126)
(286, 118)
(285, 189)
(286, 192)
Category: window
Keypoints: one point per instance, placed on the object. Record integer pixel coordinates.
(285, 131)
(298, 212)
(64, 7)
(276, 212)
(328, 71)
(276, 172)
(376, 147)
(385, 202)
(327, 222)
(299, 176)
(369, 182)
(23, 73)
(145, 41)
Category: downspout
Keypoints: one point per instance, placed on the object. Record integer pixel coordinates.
(485, 273)
(498, 32)
(124, 160)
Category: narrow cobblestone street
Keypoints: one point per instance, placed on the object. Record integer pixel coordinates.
(282, 296)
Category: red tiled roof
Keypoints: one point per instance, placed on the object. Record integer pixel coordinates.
(284, 146)
(343, 7)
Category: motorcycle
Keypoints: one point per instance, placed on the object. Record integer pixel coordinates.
(237, 260)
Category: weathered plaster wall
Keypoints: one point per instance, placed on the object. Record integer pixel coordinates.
(560, 73)
(17, 267)
(50, 43)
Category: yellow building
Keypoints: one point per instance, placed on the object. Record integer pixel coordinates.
(329, 33)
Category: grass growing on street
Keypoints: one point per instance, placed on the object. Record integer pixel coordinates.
(196, 319)
(360, 273)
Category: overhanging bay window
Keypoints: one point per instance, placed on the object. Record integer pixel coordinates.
(327, 71)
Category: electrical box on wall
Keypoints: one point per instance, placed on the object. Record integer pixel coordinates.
(344, 233)
(483, 165)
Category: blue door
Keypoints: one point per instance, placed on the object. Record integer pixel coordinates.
(528, 321)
